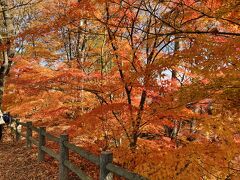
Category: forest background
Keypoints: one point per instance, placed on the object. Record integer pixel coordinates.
(154, 81)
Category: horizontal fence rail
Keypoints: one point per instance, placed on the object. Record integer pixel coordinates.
(104, 162)
(83, 153)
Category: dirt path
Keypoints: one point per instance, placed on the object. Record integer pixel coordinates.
(20, 163)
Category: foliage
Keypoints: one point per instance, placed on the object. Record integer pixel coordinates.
(157, 80)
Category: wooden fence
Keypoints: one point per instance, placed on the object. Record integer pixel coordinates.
(104, 161)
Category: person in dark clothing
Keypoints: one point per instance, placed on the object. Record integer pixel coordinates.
(5, 118)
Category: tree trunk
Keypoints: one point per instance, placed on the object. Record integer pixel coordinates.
(176, 48)
(5, 41)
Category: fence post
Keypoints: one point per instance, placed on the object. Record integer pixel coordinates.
(29, 134)
(105, 158)
(64, 155)
(41, 142)
(16, 130)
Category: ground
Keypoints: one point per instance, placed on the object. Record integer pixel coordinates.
(17, 162)
(20, 163)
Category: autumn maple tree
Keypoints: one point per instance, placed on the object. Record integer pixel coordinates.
(157, 80)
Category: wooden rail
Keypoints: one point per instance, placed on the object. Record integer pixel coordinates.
(104, 161)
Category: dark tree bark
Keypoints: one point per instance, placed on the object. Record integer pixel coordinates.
(8, 52)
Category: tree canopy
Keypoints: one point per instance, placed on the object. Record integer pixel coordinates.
(156, 80)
